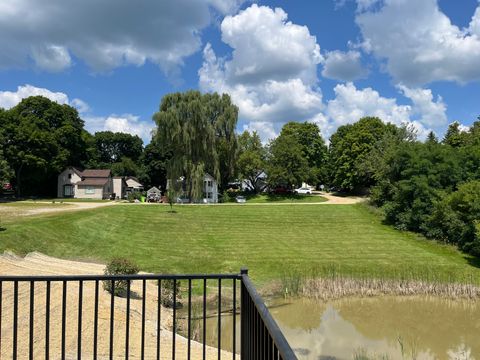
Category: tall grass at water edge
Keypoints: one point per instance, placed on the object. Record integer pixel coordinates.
(334, 281)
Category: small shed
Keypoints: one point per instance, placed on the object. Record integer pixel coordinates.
(154, 194)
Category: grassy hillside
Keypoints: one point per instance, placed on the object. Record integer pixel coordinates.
(269, 240)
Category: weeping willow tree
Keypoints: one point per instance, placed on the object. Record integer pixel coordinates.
(199, 131)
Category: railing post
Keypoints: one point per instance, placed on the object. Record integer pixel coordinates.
(243, 316)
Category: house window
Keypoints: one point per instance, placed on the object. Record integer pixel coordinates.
(89, 190)
(69, 176)
(67, 190)
(209, 195)
(208, 183)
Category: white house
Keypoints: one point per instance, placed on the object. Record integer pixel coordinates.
(86, 184)
(210, 189)
(133, 184)
(209, 193)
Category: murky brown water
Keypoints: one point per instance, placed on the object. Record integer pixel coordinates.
(427, 328)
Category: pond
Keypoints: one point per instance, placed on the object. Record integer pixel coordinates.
(374, 328)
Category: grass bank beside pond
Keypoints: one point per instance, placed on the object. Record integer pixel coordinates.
(270, 240)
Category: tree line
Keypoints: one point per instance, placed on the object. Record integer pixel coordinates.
(40, 138)
(431, 187)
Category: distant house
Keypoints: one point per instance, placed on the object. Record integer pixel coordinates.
(133, 184)
(209, 191)
(154, 191)
(123, 185)
(119, 187)
(154, 194)
(86, 184)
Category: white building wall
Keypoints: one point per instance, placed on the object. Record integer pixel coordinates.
(118, 187)
(211, 189)
(81, 192)
(64, 179)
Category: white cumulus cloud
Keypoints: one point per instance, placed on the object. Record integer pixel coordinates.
(272, 72)
(125, 123)
(9, 99)
(418, 42)
(350, 104)
(105, 34)
(343, 66)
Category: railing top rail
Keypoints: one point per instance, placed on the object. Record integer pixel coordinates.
(6, 278)
(284, 348)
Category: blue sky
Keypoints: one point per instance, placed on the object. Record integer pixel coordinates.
(329, 62)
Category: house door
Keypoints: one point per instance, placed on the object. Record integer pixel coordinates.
(67, 191)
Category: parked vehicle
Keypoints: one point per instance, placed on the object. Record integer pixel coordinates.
(302, 191)
(241, 199)
(183, 200)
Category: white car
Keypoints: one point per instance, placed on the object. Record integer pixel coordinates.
(241, 199)
(302, 191)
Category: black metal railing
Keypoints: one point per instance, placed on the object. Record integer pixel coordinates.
(107, 317)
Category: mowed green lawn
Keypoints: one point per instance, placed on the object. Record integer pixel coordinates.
(270, 240)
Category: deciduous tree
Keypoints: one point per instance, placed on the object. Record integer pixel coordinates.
(199, 131)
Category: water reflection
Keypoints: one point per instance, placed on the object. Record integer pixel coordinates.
(397, 327)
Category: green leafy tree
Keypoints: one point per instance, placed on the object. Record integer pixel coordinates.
(6, 172)
(454, 136)
(42, 138)
(154, 161)
(286, 164)
(198, 130)
(456, 218)
(432, 138)
(111, 147)
(308, 136)
(251, 160)
(127, 167)
(350, 146)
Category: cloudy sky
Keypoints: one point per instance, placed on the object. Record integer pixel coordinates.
(329, 62)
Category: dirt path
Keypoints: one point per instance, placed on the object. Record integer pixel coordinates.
(38, 264)
(341, 200)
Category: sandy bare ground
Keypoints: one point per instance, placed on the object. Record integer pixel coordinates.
(341, 200)
(38, 264)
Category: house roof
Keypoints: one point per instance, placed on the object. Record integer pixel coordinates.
(93, 182)
(96, 173)
(76, 170)
(153, 189)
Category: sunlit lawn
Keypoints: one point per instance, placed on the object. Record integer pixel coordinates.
(269, 240)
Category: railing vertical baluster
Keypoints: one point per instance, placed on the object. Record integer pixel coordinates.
(15, 319)
(127, 323)
(174, 317)
(144, 295)
(234, 349)
(255, 333)
(159, 316)
(189, 317)
(95, 321)
(32, 309)
(204, 329)
(219, 332)
(80, 310)
(64, 317)
(269, 353)
(1, 297)
(243, 322)
(112, 317)
(47, 322)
